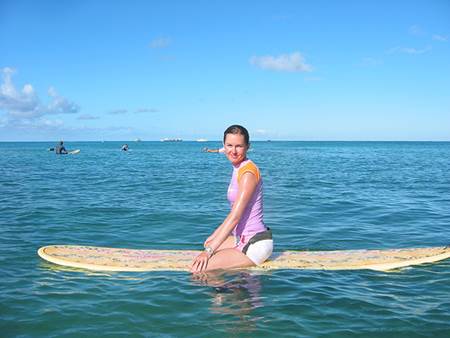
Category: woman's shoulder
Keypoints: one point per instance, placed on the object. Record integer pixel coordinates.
(248, 166)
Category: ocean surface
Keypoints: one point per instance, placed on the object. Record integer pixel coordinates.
(318, 196)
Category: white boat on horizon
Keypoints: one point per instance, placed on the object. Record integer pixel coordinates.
(171, 140)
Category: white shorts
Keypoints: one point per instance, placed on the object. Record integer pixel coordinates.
(259, 247)
(259, 252)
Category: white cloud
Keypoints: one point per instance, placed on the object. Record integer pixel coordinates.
(409, 50)
(28, 89)
(24, 108)
(418, 31)
(7, 88)
(60, 105)
(38, 123)
(161, 42)
(21, 104)
(441, 38)
(293, 62)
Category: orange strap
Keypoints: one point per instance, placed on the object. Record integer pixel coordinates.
(249, 167)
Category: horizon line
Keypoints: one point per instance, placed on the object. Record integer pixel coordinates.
(208, 141)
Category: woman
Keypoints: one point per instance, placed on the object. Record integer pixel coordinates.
(242, 240)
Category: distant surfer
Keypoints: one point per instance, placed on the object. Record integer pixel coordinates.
(125, 147)
(242, 240)
(60, 149)
(207, 150)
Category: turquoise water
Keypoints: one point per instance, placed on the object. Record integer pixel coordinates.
(318, 196)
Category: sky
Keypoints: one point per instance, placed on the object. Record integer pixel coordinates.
(287, 70)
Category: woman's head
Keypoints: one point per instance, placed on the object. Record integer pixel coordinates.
(237, 130)
(236, 142)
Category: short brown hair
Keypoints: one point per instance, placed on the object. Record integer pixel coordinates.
(239, 130)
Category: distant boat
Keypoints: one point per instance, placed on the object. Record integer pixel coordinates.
(137, 140)
(171, 140)
(202, 140)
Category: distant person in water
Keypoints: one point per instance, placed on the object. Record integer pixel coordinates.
(125, 147)
(242, 240)
(220, 150)
(60, 149)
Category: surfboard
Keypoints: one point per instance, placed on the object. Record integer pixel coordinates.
(73, 152)
(114, 259)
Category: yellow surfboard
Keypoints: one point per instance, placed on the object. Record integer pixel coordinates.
(114, 259)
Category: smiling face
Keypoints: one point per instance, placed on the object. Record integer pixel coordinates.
(235, 148)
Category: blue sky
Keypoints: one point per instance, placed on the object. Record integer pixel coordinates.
(287, 70)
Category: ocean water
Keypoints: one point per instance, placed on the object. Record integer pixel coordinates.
(318, 196)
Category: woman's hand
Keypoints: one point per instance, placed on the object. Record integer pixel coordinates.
(200, 262)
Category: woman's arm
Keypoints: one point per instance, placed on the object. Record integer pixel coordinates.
(247, 186)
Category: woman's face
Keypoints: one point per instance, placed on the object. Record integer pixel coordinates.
(235, 148)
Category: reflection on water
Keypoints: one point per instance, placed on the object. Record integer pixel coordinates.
(236, 293)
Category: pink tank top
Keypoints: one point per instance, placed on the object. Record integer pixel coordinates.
(251, 221)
